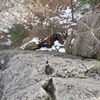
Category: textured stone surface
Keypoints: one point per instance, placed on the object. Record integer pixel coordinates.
(87, 40)
(25, 73)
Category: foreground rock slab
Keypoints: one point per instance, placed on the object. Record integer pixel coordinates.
(25, 79)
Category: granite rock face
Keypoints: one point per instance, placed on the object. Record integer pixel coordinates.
(87, 40)
(25, 79)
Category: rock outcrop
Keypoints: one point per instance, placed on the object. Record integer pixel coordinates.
(73, 78)
(87, 40)
(48, 41)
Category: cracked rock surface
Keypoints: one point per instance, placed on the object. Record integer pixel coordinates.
(72, 76)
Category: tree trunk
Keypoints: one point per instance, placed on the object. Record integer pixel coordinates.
(72, 11)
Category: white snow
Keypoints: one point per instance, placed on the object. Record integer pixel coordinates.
(70, 31)
(8, 43)
(55, 47)
(8, 36)
(1, 37)
(4, 30)
(2, 61)
(36, 40)
(63, 21)
(66, 14)
(72, 41)
(56, 43)
(86, 6)
(62, 50)
(77, 15)
(44, 49)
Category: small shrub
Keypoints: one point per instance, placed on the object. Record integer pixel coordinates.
(40, 16)
(18, 29)
(17, 32)
(16, 39)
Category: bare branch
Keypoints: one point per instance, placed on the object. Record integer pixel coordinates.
(93, 51)
(41, 8)
(91, 32)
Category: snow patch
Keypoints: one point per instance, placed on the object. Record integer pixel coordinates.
(56, 47)
(8, 43)
(44, 49)
(8, 36)
(56, 43)
(2, 61)
(70, 30)
(1, 37)
(36, 40)
(72, 41)
(62, 50)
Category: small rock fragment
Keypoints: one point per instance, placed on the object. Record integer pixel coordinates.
(48, 70)
(1, 61)
(48, 86)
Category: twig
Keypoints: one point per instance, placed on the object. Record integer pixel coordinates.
(85, 67)
(92, 33)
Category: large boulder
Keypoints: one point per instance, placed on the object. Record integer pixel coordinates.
(87, 40)
(86, 45)
(25, 78)
(92, 20)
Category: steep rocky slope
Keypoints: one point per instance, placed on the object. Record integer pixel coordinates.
(30, 75)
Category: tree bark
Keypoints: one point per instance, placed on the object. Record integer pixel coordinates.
(72, 11)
